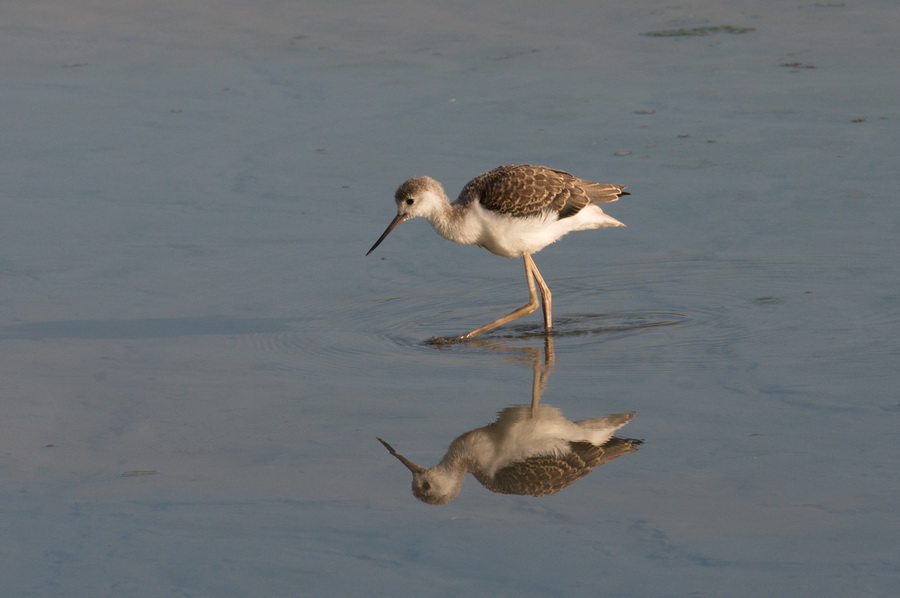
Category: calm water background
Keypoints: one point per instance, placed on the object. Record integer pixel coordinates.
(196, 357)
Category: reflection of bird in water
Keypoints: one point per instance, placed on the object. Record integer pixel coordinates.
(533, 451)
(512, 211)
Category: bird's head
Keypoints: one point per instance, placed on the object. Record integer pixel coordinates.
(421, 196)
(431, 485)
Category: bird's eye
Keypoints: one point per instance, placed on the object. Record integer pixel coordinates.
(410, 201)
(425, 485)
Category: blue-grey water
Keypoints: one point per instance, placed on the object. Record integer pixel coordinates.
(196, 357)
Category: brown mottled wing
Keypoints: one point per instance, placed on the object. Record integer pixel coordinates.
(542, 476)
(525, 190)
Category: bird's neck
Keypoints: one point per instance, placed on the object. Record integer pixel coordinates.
(465, 453)
(450, 222)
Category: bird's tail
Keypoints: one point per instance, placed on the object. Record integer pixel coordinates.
(601, 429)
(603, 193)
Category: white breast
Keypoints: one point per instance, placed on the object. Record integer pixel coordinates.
(511, 236)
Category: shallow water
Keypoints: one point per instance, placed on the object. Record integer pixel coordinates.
(197, 356)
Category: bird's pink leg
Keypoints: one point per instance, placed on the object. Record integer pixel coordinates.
(531, 275)
(546, 296)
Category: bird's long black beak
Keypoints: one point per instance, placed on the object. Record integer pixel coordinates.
(397, 220)
(409, 464)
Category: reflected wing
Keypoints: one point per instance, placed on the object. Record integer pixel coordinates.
(545, 475)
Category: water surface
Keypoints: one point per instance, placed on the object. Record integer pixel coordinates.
(197, 358)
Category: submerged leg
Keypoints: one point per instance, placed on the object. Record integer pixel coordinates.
(541, 372)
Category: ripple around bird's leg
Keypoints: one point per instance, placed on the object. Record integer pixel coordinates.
(614, 325)
(595, 324)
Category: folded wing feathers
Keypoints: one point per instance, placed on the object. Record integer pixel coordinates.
(524, 190)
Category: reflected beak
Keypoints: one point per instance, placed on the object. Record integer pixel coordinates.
(397, 220)
(409, 464)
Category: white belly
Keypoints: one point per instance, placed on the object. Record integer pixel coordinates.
(511, 236)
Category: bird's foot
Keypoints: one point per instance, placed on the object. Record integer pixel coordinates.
(448, 340)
